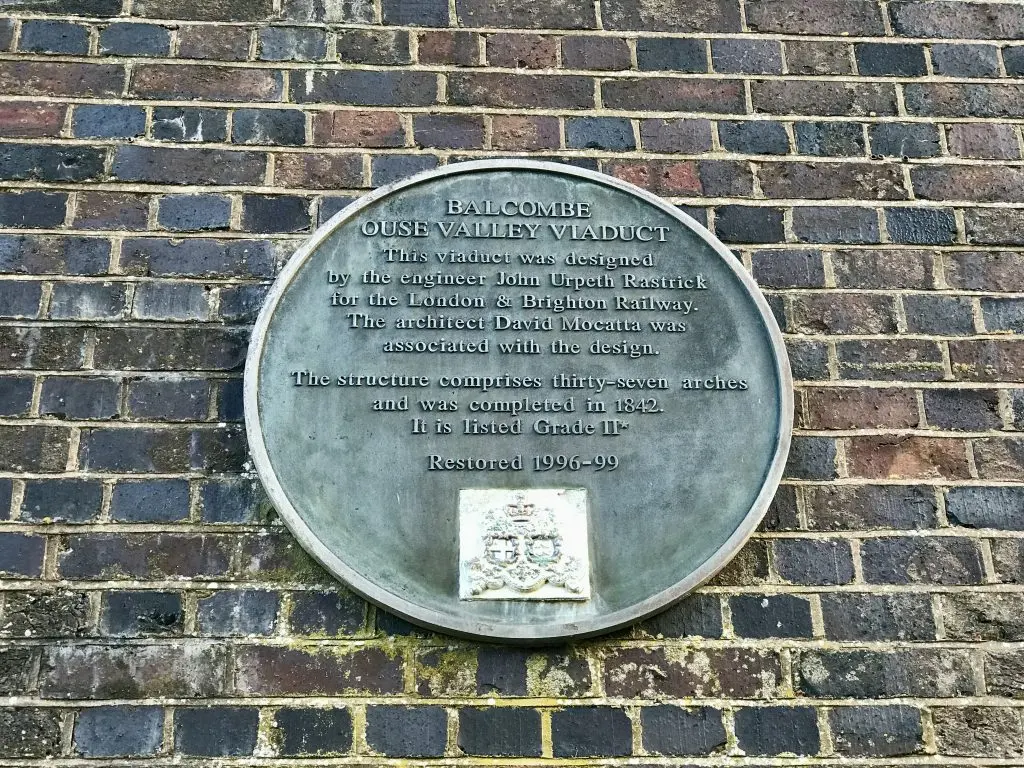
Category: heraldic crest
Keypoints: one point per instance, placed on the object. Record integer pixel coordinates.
(526, 544)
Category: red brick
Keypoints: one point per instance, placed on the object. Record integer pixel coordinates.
(318, 171)
(828, 313)
(442, 47)
(815, 17)
(987, 141)
(31, 120)
(522, 51)
(111, 210)
(897, 458)
(827, 181)
(284, 671)
(675, 94)
(981, 271)
(978, 183)
(190, 81)
(987, 359)
(222, 43)
(345, 128)
(493, 89)
(37, 78)
(849, 408)
(524, 132)
(810, 97)
(884, 269)
(663, 177)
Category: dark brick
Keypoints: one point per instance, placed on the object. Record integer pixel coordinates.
(892, 560)
(671, 730)
(327, 613)
(518, 51)
(501, 671)
(33, 448)
(131, 614)
(269, 126)
(500, 731)
(977, 616)
(899, 360)
(683, 136)
(220, 42)
(142, 555)
(277, 557)
(835, 224)
(827, 17)
(119, 731)
(88, 301)
(600, 53)
(962, 409)
(18, 670)
(822, 97)
(40, 162)
(191, 213)
(770, 616)
(945, 315)
(1002, 226)
(172, 301)
(591, 731)
(849, 408)
(229, 391)
(231, 500)
(976, 731)
(108, 121)
(420, 13)
(671, 54)
(557, 673)
(749, 57)
(817, 57)
(30, 732)
(190, 669)
(530, 14)
(20, 298)
(743, 224)
(999, 459)
(64, 500)
(608, 133)
(39, 36)
(309, 731)
(866, 617)
(312, 11)
(813, 561)
(807, 359)
(831, 139)
(15, 395)
(996, 507)
(135, 450)
(241, 303)
(198, 258)
(758, 137)
(673, 94)
(190, 124)
(821, 180)
(777, 730)
(318, 170)
(385, 169)
(32, 210)
(964, 99)
(895, 59)
(786, 268)
(135, 40)
(965, 60)
(699, 615)
(218, 10)
(42, 348)
(215, 732)
(920, 226)
(812, 458)
(876, 731)
(914, 18)
(877, 674)
(237, 612)
(1008, 560)
(449, 131)
(1013, 60)
(491, 89)
(160, 165)
(59, 614)
(149, 501)
(699, 16)
(275, 213)
(907, 457)
(986, 141)
(270, 670)
(407, 731)
(37, 254)
(292, 44)
(366, 88)
(904, 140)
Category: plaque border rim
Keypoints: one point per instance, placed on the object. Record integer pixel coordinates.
(474, 628)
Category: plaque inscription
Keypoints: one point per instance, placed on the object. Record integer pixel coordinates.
(518, 400)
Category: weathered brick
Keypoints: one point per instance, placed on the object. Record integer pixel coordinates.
(365, 88)
(347, 128)
(520, 90)
(969, 182)
(426, 13)
(164, 81)
(88, 301)
(812, 458)
(520, 51)
(327, 613)
(979, 20)
(974, 616)
(59, 349)
(607, 133)
(813, 561)
(1002, 226)
(1003, 674)
(844, 313)
(38, 78)
(449, 131)
(825, 57)
(106, 121)
(165, 165)
(866, 674)
(847, 408)
(971, 409)
(58, 614)
(119, 731)
(725, 178)
(532, 14)
(139, 613)
(190, 213)
(987, 360)
(671, 54)
(1008, 560)
(171, 301)
(672, 94)
(600, 53)
(61, 500)
(218, 10)
(15, 395)
(192, 669)
(30, 120)
(18, 670)
(215, 732)
(811, 97)
(835, 224)
(749, 57)
(876, 731)
(838, 507)
(274, 670)
(671, 730)
(30, 731)
(524, 132)
(220, 42)
(170, 349)
(832, 17)
(890, 59)
(667, 177)
(313, 11)
(198, 258)
(590, 731)
(291, 44)
(941, 315)
(129, 39)
(920, 226)
(448, 47)
(965, 60)
(999, 459)
(652, 673)
(33, 448)
(44, 36)
(907, 457)
(673, 16)
(964, 99)
(904, 560)
(742, 224)
(144, 555)
(309, 731)
(676, 135)
(832, 180)
(73, 7)
(829, 139)
(190, 124)
(237, 612)
(976, 731)
(862, 616)
(989, 141)
(996, 507)
(758, 137)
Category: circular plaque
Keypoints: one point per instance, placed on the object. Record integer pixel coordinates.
(517, 400)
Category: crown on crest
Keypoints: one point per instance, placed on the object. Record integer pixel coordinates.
(520, 511)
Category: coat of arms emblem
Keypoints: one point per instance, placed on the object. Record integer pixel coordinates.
(528, 544)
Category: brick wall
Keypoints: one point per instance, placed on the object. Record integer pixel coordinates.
(864, 160)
